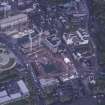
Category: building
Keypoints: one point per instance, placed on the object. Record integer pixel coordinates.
(53, 70)
(12, 85)
(5, 10)
(80, 20)
(13, 90)
(7, 59)
(80, 44)
(24, 4)
(52, 42)
(78, 38)
(16, 26)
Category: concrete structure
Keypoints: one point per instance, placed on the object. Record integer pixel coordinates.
(78, 38)
(7, 59)
(16, 26)
(81, 47)
(20, 91)
(52, 42)
(23, 87)
(5, 10)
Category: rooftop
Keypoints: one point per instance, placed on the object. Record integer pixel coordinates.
(12, 91)
(47, 65)
(7, 59)
(80, 37)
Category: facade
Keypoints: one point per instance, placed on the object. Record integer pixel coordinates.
(82, 48)
(79, 40)
(56, 54)
(12, 86)
(45, 64)
(11, 91)
(15, 26)
(52, 43)
(7, 59)
(5, 10)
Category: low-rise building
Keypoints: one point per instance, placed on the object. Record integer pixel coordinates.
(13, 90)
(16, 26)
(80, 44)
(52, 42)
(7, 59)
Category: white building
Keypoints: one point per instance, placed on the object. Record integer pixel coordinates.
(7, 97)
(16, 26)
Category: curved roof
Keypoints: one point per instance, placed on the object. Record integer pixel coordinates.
(7, 59)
